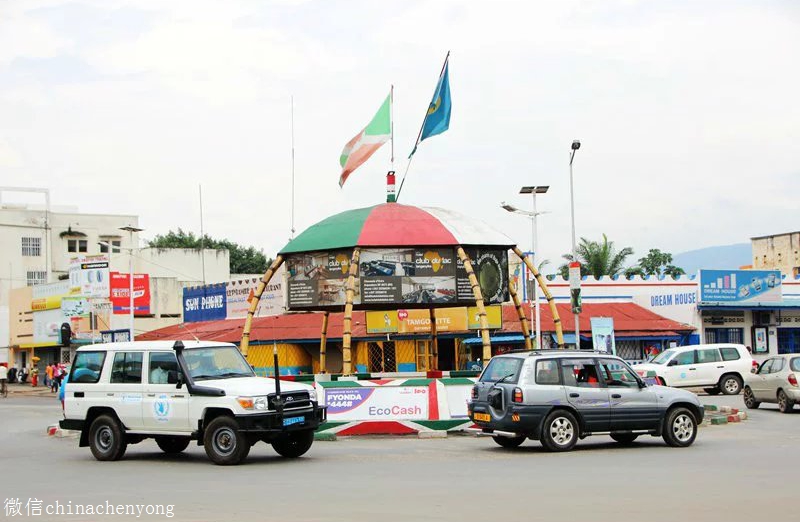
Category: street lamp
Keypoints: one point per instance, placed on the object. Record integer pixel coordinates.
(131, 230)
(533, 190)
(575, 146)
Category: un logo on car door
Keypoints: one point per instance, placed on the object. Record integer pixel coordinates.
(162, 409)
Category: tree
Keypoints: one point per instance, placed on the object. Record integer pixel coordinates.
(655, 263)
(597, 258)
(243, 260)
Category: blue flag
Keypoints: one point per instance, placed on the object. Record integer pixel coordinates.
(437, 120)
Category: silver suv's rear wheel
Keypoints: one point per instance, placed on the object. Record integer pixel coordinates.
(559, 431)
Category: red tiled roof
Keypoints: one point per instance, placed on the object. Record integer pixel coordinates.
(629, 319)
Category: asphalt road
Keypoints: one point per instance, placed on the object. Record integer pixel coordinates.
(746, 471)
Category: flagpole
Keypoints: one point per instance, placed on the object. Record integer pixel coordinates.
(292, 117)
(419, 134)
(391, 122)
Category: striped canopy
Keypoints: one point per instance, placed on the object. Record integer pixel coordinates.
(396, 225)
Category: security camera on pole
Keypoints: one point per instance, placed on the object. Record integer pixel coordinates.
(574, 266)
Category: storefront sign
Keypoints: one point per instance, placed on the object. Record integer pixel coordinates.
(603, 334)
(760, 340)
(204, 303)
(417, 321)
(120, 293)
(240, 293)
(377, 403)
(48, 296)
(47, 327)
(494, 315)
(76, 311)
(740, 286)
(89, 276)
(397, 277)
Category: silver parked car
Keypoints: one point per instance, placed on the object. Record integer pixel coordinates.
(775, 381)
(560, 396)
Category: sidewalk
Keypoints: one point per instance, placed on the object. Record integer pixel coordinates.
(26, 390)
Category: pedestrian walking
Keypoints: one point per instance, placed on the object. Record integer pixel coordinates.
(3, 380)
(48, 380)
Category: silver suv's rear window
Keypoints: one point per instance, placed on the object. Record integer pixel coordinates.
(506, 368)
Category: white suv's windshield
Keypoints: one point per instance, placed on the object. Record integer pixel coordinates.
(663, 357)
(221, 362)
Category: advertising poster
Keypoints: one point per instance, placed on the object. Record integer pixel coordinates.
(760, 340)
(603, 334)
(377, 403)
(318, 279)
(494, 315)
(120, 293)
(240, 293)
(491, 270)
(740, 286)
(47, 326)
(89, 276)
(204, 303)
(76, 311)
(416, 320)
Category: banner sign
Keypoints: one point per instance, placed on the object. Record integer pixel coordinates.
(48, 296)
(239, 295)
(377, 403)
(603, 334)
(76, 311)
(407, 277)
(740, 286)
(458, 319)
(47, 326)
(204, 303)
(115, 336)
(89, 276)
(494, 315)
(120, 293)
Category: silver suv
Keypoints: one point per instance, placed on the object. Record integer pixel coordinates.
(560, 396)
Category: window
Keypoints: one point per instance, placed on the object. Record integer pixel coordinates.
(685, 358)
(777, 366)
(765, 367)
(424, 359)
(502, 368)
(87, 368)
(31, 246)
(730, 354)
(161, 363)
(127, 368)
(381, 357)
(708, 356)
(617, 374)
(77, 245)
(36, 277)
(115, 244)
(794, 364)
(580, 372)
(212, 363)
(547, 372)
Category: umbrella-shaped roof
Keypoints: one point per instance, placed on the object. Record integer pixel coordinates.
(396, 225)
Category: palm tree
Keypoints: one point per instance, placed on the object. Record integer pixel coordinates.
(597, 258)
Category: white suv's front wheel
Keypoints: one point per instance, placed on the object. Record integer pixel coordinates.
(224, 443)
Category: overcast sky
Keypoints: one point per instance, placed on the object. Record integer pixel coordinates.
(687, 112)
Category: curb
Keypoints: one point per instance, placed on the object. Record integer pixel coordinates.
(742, 415)
(325, 436)
(733, 418)
(719, 420)
(54, 431)
(432, 435)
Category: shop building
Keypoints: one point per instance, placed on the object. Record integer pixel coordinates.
(777, 252)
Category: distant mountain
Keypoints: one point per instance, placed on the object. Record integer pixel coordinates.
(715, 258)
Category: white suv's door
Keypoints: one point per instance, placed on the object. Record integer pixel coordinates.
(165, 407)
(682, 370)
(84, 387)
(124, 388)
(710, 367)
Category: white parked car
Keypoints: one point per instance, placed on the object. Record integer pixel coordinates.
(175, 392)
(774, 381)
(713, 367)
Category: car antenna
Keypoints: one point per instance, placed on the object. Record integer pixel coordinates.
(190, 332)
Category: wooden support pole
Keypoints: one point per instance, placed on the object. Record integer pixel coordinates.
(547, 295)
(521, 313)
(322, 343)
(476, 291)
(347, 328)
(434, 343)
(248, 322)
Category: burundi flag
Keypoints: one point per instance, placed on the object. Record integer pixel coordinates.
(365, 143)
(437, 119)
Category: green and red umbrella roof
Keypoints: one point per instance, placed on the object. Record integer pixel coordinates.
(396, 225)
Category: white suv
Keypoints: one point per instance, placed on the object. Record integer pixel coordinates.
(175, 392)
(713, 367)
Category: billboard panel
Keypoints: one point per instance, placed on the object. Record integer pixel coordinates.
(740, 286)
(120, 293)
(204, 303)
(240, 293)
(407, 277)
(89, 276)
